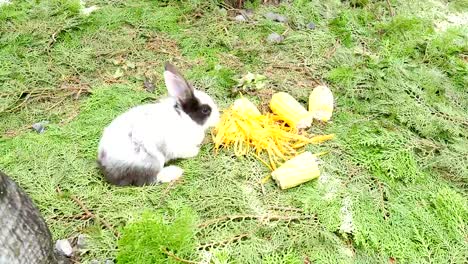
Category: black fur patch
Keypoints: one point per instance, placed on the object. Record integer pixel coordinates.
(177, 108)
(197, 111)
(128, 175)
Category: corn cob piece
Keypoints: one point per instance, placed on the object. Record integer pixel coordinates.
(244, 129)
(290, 110)
(321, 103)
(246, 107)
(297, 170)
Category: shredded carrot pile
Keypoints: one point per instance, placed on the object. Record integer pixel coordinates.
(248, 131)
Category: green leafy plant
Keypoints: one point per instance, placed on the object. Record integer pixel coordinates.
(147, 239)
(250, 82)
(400, 121)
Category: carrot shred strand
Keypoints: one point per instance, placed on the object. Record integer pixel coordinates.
(247, 131)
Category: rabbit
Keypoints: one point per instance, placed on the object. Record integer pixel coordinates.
(136, 145)
(24, 235)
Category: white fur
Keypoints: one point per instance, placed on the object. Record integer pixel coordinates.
(170, 173)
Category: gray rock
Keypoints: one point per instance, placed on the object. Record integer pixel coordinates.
(276, 17)
(81, 241)
(64, 247)
(240, 18)
(248, 12)
(109, 261)
(275, 38)
(270, 16)
(281, 19)
(40, 126)
(311, 25)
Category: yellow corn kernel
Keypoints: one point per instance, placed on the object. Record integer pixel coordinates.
(290, 110)
(300, 169)
(244, 106)
(321, 103)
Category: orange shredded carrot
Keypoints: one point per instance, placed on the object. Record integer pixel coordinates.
(247, 131)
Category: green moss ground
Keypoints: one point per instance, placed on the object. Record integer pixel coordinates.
(395, 183)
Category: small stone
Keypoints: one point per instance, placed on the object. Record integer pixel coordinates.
(276, 17)
(88, 10)
(249, 13)
(40, 126)
(270, 16)
(275, 38)
(81, 241)
(239, 18)
(109, 261)
(311, 25)
(64, 248)
(281, 19)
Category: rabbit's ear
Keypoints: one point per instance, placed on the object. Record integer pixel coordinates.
(176, 84)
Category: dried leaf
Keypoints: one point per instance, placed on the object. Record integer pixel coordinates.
(149, 86)
(118, 73)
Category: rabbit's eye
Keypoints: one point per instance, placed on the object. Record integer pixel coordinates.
(206, 110)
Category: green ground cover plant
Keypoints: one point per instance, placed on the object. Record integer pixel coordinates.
(393, 187)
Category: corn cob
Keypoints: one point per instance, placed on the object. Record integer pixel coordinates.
(297, 170)
(321, 103)
(290, 110)
(246, 107)
(247, 131)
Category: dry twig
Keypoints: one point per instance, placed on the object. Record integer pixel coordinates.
(88, 214)
(231, 7)
(224, 242)
(69, 118)
(82, 216)
(166, 191)
(332, 51)
(172, 255)
(390, 8)
(53, 38)
(41, 94)
(299, 210)
(382, 200)
(261, 218)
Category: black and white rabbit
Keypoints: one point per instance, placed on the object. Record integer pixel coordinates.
(137, 144)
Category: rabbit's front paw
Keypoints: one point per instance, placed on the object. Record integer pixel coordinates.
(169, 173)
